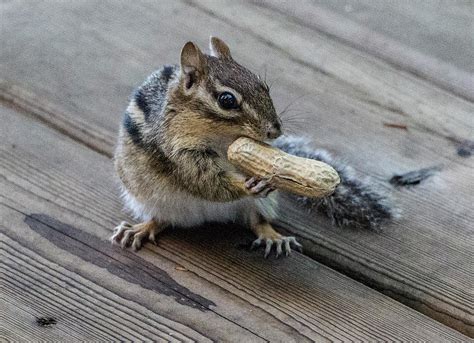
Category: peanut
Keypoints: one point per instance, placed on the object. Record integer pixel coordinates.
(294, 174)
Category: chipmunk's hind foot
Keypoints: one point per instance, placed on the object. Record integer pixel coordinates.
(269, 237)
(127, 235)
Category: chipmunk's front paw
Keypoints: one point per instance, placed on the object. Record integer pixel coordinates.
(282, 244)
(126, 234)
(259, 187)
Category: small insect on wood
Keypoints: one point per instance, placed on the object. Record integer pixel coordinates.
(294, 174)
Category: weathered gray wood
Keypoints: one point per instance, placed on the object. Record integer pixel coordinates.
(57, 218)
(153, 294)
(40, 289)
(80, 85)
(440, 28)
(418, 269)
(353, 76)
(432, 39)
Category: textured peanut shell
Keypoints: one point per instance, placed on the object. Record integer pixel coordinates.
(294, 174)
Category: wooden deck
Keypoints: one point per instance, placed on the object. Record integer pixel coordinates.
(389, 88)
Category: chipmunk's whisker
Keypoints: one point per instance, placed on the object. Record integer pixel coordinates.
(287, 108)
(299, 117)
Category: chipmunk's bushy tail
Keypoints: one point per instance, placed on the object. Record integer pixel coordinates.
(355, 202)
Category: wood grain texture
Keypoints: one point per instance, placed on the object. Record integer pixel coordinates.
(82, 310)
(438, 28)
(84, 78)
(144, 288)
(56, 220)
(369, 79)
(427, 214)
(431, 39)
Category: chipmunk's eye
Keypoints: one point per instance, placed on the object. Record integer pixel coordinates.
(227, 101)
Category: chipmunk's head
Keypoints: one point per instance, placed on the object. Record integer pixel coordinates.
(226, 96)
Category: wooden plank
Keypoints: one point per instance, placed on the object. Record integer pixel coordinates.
(417, 270)
(358, 91)
(57, 218)
(369, 79)
(436, 28)
(46, 301)
(430, 39)
(149, 299)
(347, 97)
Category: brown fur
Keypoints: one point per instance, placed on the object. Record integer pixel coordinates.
(174, 140)
(193, 132)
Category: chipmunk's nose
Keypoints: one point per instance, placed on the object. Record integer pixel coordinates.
(274, 130)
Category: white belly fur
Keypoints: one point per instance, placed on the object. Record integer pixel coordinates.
(184, 210)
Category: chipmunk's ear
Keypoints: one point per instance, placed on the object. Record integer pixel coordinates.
(192, 64)
(219, 49)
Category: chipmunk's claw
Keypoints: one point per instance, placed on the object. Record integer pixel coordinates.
(127, 235)
(282, 244)
(259, 187)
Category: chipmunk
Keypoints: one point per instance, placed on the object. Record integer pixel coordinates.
(172, 148)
